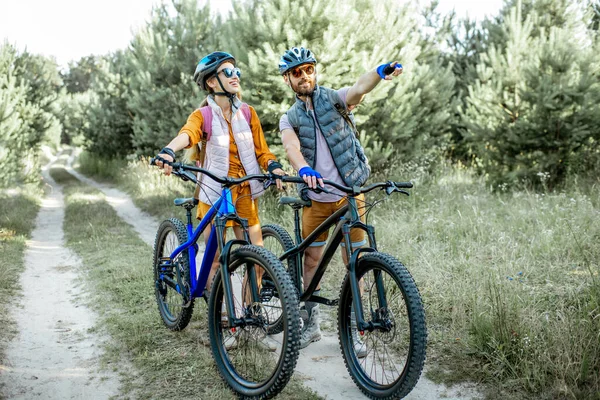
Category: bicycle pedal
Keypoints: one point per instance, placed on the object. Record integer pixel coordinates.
(323, 300)
(165, 262)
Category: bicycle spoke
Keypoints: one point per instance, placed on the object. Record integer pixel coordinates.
(174, 311)
(393, 360)
(246, 355)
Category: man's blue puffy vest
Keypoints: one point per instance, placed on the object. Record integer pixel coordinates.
(346, 151)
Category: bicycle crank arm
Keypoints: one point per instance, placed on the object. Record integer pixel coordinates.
(323, 300)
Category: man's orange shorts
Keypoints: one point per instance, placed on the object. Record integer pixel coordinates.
(314, 215)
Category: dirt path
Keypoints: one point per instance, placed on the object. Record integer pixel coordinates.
(320, 364)
(54, 356)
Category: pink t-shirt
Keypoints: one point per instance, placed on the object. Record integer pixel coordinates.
(325, 164)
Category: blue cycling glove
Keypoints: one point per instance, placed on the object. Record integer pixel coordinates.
(309, 171)
(385, 69)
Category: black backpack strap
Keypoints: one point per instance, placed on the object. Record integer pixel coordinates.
(293, 118)
(341, 108)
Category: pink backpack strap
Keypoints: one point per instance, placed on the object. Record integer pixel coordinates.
(207, 121)
(246, 111)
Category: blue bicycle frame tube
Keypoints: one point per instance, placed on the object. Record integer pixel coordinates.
(222, 206)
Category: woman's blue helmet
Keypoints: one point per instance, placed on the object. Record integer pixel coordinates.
(207, 67)
(294, 57)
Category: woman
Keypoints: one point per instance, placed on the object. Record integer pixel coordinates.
(236, 147)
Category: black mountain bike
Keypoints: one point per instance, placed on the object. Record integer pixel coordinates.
(389, 317)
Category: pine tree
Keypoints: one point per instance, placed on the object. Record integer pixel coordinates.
(258, 33)
(406, 119)
(29, 84)
(348, 39)
(162, 61)
(535, 103)
(12, 94)
(108, 130)
(71, 110)
(79, 76)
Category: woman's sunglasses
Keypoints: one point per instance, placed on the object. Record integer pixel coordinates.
(228, 72)
(297, 72)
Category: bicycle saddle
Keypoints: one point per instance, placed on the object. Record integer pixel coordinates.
(294, 202)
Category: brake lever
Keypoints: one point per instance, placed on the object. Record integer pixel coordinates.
(267, 183)
(320, 189)
(393, 188)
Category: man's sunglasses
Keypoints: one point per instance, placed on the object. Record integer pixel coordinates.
(297, 72)
(228, 72)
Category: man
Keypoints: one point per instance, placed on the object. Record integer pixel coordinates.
(318, 135)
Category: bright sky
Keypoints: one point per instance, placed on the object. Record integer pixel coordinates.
(71, 29)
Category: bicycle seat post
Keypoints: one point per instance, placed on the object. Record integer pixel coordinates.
(188, 213)
(297, 225)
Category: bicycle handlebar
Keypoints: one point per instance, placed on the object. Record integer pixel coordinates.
(356, 189)
(180, 170)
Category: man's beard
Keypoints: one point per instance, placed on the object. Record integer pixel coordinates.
(304, 92)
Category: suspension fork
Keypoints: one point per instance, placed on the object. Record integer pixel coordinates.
(228, 286)
(225, 252)
(353, 262)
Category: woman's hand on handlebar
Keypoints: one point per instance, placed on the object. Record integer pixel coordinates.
(278, 182)
(164, 166)
(168, 155)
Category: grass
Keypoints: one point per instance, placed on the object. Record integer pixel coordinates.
(118, 269)
(510, 279)
(17, 220)
(510, 282)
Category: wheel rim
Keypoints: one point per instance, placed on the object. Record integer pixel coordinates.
(388, 350)
(245, 352)
(171, 301)
(271, 300)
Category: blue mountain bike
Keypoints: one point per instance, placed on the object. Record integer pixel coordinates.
(240, 312)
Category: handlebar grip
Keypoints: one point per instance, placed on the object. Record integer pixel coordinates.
(406, 185)
(174, 164)
(292, 179)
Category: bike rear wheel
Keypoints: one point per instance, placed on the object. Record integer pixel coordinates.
(253, 364)
(393, 355)
(277, 240)
(174, 309)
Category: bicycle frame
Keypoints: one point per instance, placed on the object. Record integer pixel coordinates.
(221, 211)
(344, 219)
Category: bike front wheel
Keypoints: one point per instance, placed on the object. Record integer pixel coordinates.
(172, 278)
(254, 364)
(385, 361)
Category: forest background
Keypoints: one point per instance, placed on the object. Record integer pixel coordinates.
(502, 111)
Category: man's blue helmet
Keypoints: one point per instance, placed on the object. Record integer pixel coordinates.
(207, 67)
(294, 57)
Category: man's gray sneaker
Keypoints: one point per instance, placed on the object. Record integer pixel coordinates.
(312, 330)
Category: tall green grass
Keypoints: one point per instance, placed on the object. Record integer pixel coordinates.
(18, 211)
(510, 277)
